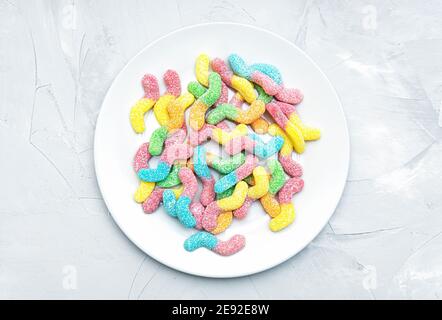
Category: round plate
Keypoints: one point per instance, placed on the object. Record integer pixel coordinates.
(325, 161)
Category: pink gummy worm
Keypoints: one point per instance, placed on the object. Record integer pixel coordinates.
(210, 216)
(247, 167)
(177, 137)
(238, 144)
(268, 85)
(173, 82)
(277, 114)
(290, 188)
(153, 201)
(290, 95)
(224, 94)
(241, 212)
(286, 108)
(231, 246)
(220, 66)
(197, 210)
(208, 192)
(176, 152)
(151, 87)
(291, 167)
(190, 184)
(142, 157)
(198, 137)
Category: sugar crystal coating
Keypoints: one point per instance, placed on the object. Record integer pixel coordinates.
(231, 246)
(173, 83)
(200, 239)
(182, 158)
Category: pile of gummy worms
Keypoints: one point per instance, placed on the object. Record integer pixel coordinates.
(254, 169)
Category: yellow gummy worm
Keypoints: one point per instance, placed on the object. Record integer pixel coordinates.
(308, 133)
(224, 221)
(244, 87)
(257, 108)
(202, 69)
(284, 219)
(176, 110)
(236, 200)
(137, 113)
(270, 205)
(296, 137)
(223, 137)
(287, 147)
(160, 109)
(144, 190)
(261, 186)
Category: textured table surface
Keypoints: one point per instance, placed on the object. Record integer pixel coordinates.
(58, 58)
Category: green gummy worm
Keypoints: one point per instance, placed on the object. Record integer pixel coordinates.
(221, 112)
(196, 89)
(262, 95)
(227, 165)
(172, 179)
(157, 139)
(278, 178)
(213, 93)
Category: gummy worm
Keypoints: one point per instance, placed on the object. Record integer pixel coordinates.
(292, 131)
(223, 165)
(181, 207)
(270, 86)
(203, 103)
(171, 153)
(237, 175)
(151, 94)
(173, 90)
(223, 221)
(277, 180)
(223, 137)
(214, 209)
(268, 70)
(231, 112)
(291, 167)
(204, 239)
(198, 90)
(240, 84)
(176, 110)
(262, 150)
(225, 194)
(202, 65)
(153, 201)
(260, 188)
(287, 215)
(141, 160)
(203, 172)
(172, 179)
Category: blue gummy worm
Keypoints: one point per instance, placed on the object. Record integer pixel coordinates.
(269, 70)
(199, 240)
(256, 137)
(265, 150)
(183, 213)
(154, 175)
(169, 202)
(200, 164)
(239, 66)
(226, 182)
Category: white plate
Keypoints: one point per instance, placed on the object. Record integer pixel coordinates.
(325, 162)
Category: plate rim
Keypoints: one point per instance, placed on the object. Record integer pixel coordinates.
(340, 187)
